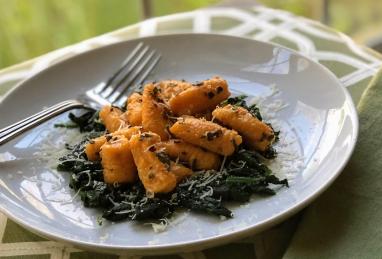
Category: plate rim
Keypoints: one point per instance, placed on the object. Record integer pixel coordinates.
(217, 239)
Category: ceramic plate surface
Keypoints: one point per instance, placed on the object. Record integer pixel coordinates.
(315, 114)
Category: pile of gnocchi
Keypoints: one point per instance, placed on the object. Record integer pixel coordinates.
(171, 129)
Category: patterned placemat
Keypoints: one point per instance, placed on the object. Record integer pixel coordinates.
(354, 65)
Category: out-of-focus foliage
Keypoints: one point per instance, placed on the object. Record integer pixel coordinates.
(29, 28)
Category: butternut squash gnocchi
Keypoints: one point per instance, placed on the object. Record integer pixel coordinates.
(117, 161)
(256, 133)
(134, 109)
(201, 97)
(175, 144)
(155, 112)
(170, 130)
(207, 134)
(113, 118)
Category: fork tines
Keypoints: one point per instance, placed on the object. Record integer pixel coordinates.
(133, 71)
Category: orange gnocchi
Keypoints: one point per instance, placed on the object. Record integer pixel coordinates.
(256, 133)
(172, 128)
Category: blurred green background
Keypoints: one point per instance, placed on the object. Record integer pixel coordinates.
(29, 28)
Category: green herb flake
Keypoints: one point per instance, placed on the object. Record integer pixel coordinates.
(65, 125)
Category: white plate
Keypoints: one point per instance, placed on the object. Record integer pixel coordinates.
(318, 122)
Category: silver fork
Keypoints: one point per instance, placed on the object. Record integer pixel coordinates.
(133, 71)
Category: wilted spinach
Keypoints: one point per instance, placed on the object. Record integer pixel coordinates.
(242, 175)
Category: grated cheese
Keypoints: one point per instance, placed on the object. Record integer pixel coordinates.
(159, 227)
(52, 147)
(209, 179)
(289, 161)
(210, 192)
(223, 163)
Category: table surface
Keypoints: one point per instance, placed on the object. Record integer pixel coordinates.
(354, 65)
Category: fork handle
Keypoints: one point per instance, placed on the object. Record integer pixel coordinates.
(10, 132)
